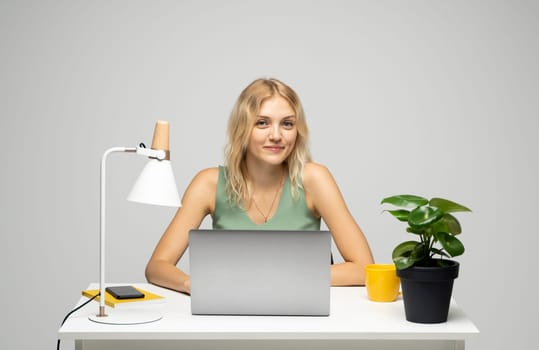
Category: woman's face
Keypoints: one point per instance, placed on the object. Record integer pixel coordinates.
(274, 133)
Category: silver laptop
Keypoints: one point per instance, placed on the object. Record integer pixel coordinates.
(260, 272)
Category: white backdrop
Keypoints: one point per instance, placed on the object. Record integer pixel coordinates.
(437, 98)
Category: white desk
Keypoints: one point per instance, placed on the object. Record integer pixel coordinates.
(354, 323)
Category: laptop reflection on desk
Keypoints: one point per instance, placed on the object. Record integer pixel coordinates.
(260, 272)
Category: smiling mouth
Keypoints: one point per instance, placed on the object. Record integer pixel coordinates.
(274, 148)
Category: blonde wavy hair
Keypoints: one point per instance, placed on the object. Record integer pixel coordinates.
(240, 124)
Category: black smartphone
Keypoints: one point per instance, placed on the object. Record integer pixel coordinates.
(124, 292)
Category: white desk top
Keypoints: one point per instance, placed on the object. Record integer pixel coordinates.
(352, 316)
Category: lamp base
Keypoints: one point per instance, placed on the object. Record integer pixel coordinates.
(131, 316)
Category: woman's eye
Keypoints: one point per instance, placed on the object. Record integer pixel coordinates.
(288, 124)
(261, 123)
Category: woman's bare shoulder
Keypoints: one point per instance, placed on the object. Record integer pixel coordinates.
(209, 173)
(315, 172)
(202, 189)
(206, 177)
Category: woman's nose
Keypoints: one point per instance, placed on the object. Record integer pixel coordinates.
(275, 133)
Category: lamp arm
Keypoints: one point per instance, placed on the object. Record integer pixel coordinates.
(141, 150)
(153, 153)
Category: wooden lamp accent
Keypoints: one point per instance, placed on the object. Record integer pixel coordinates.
(161, 137)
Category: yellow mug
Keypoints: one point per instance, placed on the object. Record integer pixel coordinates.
(382, 282)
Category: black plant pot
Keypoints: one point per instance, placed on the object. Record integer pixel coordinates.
(426, 291)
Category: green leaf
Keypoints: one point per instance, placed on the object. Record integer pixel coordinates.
(420, 252)
(453, 225)
(401, 214)
(447, 205)
(439, 252)
(415, 230)
(405, 201)
(404, 249)
(449, 224)
(452, 245)
(407, 254)
(424, 216)
(402, 263)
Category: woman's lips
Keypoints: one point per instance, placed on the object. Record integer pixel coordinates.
(274, 148)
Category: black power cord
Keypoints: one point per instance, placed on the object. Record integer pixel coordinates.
(72, 311)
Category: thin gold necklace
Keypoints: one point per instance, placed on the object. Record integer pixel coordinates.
(272, 202)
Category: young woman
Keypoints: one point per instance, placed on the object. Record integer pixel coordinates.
(268, 182)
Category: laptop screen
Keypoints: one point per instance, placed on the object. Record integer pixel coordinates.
(260, 272)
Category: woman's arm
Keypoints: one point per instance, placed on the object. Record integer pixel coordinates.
(198, 201)
(325, 199)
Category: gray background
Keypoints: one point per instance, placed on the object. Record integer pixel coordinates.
(437, 98)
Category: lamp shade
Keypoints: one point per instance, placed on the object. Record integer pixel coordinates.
(156, 185)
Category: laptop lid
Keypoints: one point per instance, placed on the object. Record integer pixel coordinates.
(260, 272)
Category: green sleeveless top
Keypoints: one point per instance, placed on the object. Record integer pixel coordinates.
(291, 214)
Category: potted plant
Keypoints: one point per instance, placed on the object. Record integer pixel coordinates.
(424, 265)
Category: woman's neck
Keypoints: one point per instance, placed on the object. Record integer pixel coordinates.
(264, 176)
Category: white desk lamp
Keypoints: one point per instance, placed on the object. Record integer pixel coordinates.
(155, 185)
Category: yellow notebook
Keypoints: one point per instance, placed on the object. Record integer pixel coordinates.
(149, 298)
